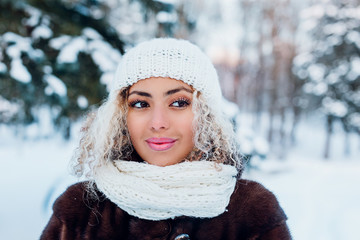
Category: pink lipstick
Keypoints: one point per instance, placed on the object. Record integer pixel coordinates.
(160, 144)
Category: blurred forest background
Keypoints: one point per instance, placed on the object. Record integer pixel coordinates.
(279, 61)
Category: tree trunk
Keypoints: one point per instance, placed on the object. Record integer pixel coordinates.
(275, 75)
(329, 131)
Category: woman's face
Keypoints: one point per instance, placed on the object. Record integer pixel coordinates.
(160, 120)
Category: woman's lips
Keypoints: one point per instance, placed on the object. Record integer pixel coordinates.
(160, 144)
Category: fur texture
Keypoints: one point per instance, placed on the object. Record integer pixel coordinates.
(253, 213)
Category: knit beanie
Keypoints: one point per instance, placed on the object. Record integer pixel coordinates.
(173, 58)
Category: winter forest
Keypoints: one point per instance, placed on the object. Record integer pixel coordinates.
(289, 71)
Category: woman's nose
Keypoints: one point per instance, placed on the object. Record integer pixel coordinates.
(159, 119)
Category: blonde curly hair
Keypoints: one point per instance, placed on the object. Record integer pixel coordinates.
(105, 137)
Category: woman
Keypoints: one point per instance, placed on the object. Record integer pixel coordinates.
(161, 159)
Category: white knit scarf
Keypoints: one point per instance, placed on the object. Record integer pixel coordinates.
(195, 189)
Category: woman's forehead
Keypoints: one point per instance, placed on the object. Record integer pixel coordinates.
(158, 83)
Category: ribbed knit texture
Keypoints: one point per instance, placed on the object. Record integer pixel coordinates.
(195, 189)
(174, 58)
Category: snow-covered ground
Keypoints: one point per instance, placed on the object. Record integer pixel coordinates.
(320, 197)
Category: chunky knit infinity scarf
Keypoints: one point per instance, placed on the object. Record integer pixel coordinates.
(195, 189)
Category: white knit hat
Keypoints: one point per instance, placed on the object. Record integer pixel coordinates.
(173, 58)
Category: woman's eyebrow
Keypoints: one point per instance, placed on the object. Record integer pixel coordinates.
(172, 91)
(144, 94)
(169, 92)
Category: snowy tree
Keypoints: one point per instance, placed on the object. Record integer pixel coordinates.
(331, 67)
(58, 55)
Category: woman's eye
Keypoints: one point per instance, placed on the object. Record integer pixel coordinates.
(139, 104)
(180, 103)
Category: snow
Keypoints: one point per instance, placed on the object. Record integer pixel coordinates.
(103, 61)
(3, 67)
(316, 11)
(36, 54)
(338, 28)
(231, 109)
(70, 52)
(106, 49)
(106, 79)
(91, 33)
(352, 12)
(166, 17)
(354, 119)
(332, 78)
(59, 42)
(90, 42)
(14, 51)
(318, 195)
(8, 109)
(42, 31)
(34, 18)
(55, 85)
(308, 24)
(97, 13)
(355, 65)
(333, 40)
(351, 76)
(19, 72)
(320, 89)
(335, 107)
(249, 142)
(103, 55)
(11, 37)
(303, 58)
(355, 97)
(47, 69)
(19, 44)
(353, 37)
(82, 102)
(317, 72)
(331, 10)
(342, 68)
(261, 146)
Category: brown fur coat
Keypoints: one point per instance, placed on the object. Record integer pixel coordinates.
(253, 213)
